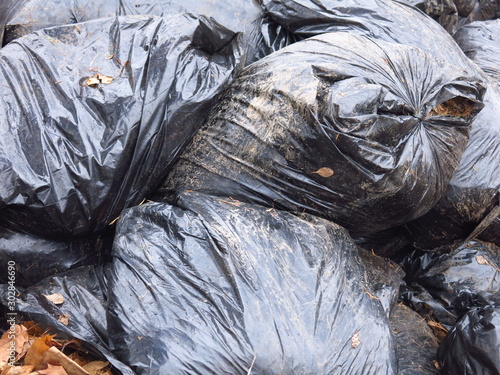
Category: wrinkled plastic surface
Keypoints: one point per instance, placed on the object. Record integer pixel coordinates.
(8, 8)
(222, 287)
(473, 345)
(37, 258)
(317, 127)
(473, 192)
(453, 14)
(239, 16)
(416, 344)
(72, 154)
(386, 20)
(455, 283)
(84, 292)
(480, 41)
(492, 233)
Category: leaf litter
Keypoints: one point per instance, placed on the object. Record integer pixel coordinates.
(39, 353)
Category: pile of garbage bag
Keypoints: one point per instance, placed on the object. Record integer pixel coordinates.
(273, 187)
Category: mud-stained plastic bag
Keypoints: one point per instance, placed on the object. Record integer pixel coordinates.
(37, 258)
(472, 200)
(368, 140)
(473, 345)
(221, 287)
(239, 16)
(93, 115)
(81, 315)
(416, 344)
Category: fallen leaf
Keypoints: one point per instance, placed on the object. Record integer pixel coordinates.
(36, 353)
(96, 367)
(15, 343)
(64, 319)
(56, 298)
(98, 79)
(105, 79)
(481, 260)
(18, 370)
(437, 365)
(53, 370)
(325, 172)
(54, 355)
(355, 340)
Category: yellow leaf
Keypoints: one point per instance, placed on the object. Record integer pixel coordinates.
(325, 172)
(36, 353)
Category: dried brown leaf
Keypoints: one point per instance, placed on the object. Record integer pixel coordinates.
(355, 340)
(97, 367)
(13, 340)
(325, 172)
(56, 298)
(54, 355)
(36, 353)
(64, 319)
(53, 370)
(18, 370)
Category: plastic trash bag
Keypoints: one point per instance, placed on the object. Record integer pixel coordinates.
(8, 8)
(216, 286)
(454, 14)
(239, 16)
(109, 106)
(388, 20)
(480, 41)
(472, 197)
(416, 344)
(455, 283)
(37, 258)
(82, 315)
(317, 127)
(473, 345)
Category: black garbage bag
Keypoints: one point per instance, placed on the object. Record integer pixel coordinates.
(416, 344)
(389, 243)
(387, 20)
(109, 106)
(455, 283)
(368, 141)
(480, 41)
(37, 258)
(472, 197)
(221, 287)
(454, 14)
(239, 16)
(82, 315)
(492, 233)
(472, 347)
(442, 11)
(8, 8)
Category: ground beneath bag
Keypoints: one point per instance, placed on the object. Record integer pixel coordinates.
(109, 106)
(222, 287)
(317, 127)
